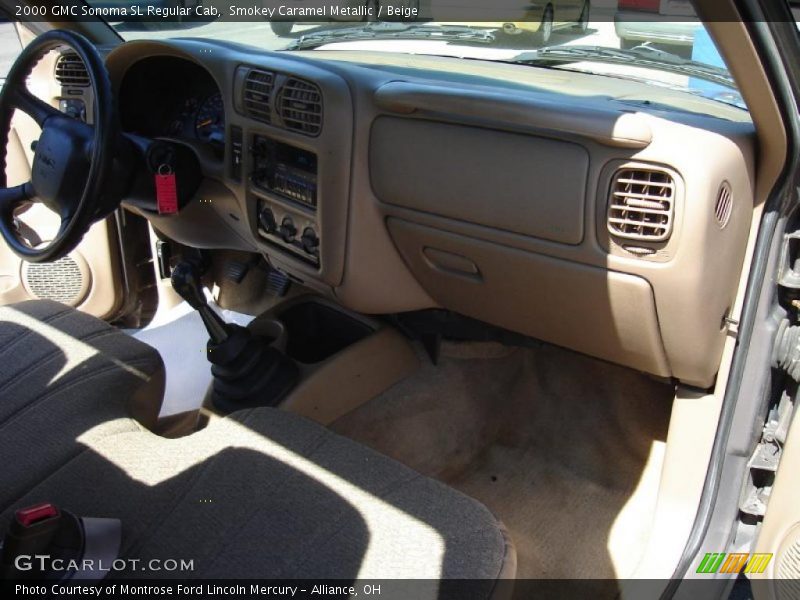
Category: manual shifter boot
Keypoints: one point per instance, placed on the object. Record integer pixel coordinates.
(248, 372)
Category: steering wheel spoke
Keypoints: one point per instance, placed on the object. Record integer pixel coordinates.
(10, 197)
(37, 109)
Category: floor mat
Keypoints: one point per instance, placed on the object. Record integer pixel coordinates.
(180, 338)
(564, 449)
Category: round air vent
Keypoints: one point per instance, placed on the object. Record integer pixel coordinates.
(65, 280)
(724, 205)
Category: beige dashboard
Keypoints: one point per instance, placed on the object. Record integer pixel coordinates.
(614, 224)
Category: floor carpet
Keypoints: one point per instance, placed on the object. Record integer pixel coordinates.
(564, 449)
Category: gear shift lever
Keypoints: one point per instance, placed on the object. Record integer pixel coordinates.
(247, 370)
(186, 282)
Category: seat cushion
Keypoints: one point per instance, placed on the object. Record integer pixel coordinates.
(64, 373)
(262, 493)
(267, 494)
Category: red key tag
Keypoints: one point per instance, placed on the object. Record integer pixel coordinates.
(166, 191)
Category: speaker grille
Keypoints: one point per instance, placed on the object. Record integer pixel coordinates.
(62, 280)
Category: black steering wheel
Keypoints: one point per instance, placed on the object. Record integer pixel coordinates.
(73, 162)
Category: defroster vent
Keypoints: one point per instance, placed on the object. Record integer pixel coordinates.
(724, 205)
(642, 204)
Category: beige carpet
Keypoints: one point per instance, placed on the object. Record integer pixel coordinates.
(563, 448)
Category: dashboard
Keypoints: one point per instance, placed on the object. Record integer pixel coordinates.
(599, 214)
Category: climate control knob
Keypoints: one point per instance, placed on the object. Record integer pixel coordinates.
(288, 231)
(267, 220)
(309, 240)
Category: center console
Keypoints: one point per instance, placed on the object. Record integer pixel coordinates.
(290, 148)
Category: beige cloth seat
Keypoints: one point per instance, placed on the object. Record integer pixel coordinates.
(260, 494)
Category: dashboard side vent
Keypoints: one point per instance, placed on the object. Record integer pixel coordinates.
(724, 205)
(257, 95)
(70, 71)
(642, 204)
(300, 106)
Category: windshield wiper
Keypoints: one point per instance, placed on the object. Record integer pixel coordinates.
(396, 31)
(641, 56)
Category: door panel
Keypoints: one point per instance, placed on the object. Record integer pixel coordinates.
(90, 277)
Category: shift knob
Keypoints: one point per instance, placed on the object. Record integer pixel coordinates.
(186, 282)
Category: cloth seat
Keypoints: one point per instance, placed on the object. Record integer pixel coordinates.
(261, 493)
(62, 373)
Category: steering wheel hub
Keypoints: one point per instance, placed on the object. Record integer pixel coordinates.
(60, 166)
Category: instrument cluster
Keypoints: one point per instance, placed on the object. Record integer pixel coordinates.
(187, 105)
(200, 118)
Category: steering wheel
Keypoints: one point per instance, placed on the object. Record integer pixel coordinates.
(73, 162)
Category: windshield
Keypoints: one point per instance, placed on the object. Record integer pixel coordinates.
(659, 42)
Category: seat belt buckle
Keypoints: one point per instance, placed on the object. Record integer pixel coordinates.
(31, 532)
(43, 529)
(35, 515)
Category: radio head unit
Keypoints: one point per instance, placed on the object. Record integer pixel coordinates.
(286, 170)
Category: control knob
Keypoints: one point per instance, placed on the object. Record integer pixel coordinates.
(309, 240)
(288, 230)
(267, 220)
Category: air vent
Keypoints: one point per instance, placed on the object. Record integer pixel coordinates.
(642, 204)
(724, 205)
(70, 71)
(257, 95)
(300, 106)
